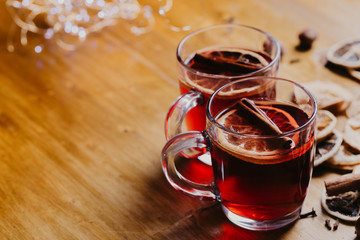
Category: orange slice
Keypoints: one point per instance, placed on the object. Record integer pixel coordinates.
(354, 72)
(328, 147)
(356, 169)
(281, 118)
(207, 85)
(344, 159)
(326, 122)
(348, 198)
(330, 95)
(345, 53)
(354, 109)
(352, 133)
(254, 148)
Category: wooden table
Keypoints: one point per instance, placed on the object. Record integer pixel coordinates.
(81, 131)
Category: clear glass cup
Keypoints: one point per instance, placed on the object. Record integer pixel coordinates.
(262, 148)
(197, 84)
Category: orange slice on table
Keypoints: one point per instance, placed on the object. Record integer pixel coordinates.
(352, 133)
(354, 109)
(356, 169)
(345, 159)
(345, 53)
(346, 200)
(328, 147)
(330, 95)
(354, 72)
(256, 149)
(326, 123)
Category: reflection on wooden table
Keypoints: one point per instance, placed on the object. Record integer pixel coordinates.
(81, 131)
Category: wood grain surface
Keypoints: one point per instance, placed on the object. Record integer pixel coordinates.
(81, 131)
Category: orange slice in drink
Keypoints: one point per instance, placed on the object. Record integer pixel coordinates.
(281, 118)
(203, 82)
(246, 139)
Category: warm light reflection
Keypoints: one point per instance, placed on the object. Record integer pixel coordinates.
(71, 21)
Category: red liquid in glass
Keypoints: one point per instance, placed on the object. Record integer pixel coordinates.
(269, 190)
(195, 118)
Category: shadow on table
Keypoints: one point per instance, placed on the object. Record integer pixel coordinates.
(170, 214)
(210, 223)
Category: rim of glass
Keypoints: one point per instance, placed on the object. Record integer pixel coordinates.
(232, 25)
(218, 125)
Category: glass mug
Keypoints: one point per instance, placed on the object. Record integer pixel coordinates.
(211, 57)
(262, 149)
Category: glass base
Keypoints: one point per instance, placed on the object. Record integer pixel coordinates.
(261, 225)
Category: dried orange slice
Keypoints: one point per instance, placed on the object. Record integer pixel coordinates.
(343, 206)
(344, 159)
(326, 122)
(352, 133)
(254, 148)
(345, 53)
(354, 109)
(327, 148)
(329, 95)
(354, 72)
(356, 169)
(207, 85)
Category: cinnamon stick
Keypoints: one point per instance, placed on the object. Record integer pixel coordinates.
(263, 120)
(251, 107)
(342, 184)
(227, 63)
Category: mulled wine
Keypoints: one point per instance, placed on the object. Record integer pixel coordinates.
(257, 177)
(213, 69)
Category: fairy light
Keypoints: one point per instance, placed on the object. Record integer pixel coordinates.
(69, 22)
(38, 49)
(75, 19)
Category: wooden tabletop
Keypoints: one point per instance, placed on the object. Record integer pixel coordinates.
(81, 131)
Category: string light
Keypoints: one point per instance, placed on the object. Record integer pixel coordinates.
(71, 21)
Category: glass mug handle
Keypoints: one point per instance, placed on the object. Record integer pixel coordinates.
(175, 146)
(180, 107)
